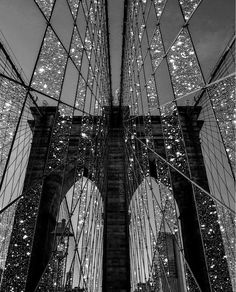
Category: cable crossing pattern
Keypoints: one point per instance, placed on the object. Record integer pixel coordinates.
(168, 186)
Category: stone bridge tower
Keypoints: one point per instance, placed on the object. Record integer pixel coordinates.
(43, 212)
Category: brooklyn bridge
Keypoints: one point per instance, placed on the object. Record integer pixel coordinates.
(117, 146)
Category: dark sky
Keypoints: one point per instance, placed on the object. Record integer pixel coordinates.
(211, 27)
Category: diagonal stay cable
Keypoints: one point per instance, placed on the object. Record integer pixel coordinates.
(44, 94)
(191, 93)
(186, 177)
